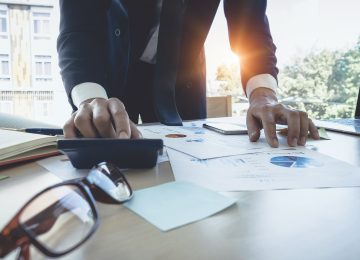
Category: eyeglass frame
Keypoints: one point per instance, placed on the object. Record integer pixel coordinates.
(85, 186)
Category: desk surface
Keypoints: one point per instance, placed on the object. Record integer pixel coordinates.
(283, 224)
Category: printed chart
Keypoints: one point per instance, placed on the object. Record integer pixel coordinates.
(295, 162)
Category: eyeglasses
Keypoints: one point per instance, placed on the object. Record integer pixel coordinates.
(62, 217)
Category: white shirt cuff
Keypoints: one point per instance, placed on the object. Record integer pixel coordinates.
(261, 81)
(86, 91)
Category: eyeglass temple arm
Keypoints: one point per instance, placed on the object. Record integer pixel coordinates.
(24, 253)
(44, 221)
(7, 245)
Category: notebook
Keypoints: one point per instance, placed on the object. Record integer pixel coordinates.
(19, 146)
(344, 125)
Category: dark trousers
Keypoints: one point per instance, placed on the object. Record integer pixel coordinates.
(139, 96)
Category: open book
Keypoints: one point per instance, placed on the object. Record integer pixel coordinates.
(18, 146)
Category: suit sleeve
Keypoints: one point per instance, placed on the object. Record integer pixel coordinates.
(250, 37)
(81, 43)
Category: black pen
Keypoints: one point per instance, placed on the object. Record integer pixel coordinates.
(44, 131)
(37, 130)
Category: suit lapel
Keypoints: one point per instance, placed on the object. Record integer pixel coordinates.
(142, 17)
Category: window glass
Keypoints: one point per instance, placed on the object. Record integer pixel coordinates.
(5, 67)
(38, 68)
(37, 29)
(3, 24)
(35, 85)
(3, 21)
(318, 52)
(47, 68)
(41, 24)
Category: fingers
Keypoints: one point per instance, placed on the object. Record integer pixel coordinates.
(120, 118)
(264, 116)
(100, 118)
(253, 127)
(293, 121)
(83, 121)
(69, 127)
(269, 125)
(268, 115)
(135, 133)
(314, 133)
(304, 128)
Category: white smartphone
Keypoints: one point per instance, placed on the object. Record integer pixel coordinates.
(226, 128)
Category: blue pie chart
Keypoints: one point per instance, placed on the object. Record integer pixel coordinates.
(295, 162)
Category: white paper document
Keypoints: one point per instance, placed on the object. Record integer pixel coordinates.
(292, 168)
(194, 140)
(62, 167)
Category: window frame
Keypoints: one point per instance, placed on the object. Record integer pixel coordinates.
(42, 78)
(4, 77)
(40, 35)
(5, 35)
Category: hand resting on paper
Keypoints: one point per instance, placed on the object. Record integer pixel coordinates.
(265, 112)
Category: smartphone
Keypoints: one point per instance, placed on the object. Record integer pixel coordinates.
(226, 128)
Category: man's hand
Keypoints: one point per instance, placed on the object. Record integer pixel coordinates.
(101, 118)
(265, 112)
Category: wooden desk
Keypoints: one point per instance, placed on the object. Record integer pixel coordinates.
(286, 224)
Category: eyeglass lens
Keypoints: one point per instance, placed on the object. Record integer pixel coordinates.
(110, 179)
(59, 218)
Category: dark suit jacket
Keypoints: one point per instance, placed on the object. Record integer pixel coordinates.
(92, 50)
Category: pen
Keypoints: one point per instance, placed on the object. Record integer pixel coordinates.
(44, 131)
(37, 130)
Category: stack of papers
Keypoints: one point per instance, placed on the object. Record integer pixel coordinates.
(194, 140)
(296, 168)
(233, 163)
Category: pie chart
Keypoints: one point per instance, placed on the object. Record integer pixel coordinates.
(295, 162)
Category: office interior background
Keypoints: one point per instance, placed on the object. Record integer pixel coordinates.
(318, 54)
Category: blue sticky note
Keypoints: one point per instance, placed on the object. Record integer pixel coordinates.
(175, 204)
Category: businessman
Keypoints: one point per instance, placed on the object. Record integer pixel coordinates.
(121, 59)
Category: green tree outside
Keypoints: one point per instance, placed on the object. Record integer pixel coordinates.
(324, 83)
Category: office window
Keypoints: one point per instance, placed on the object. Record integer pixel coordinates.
(42, 68)
(6, 107)
(41, 25)
(4, 67)
(4, 24)
(29, 74)
(318, 53)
